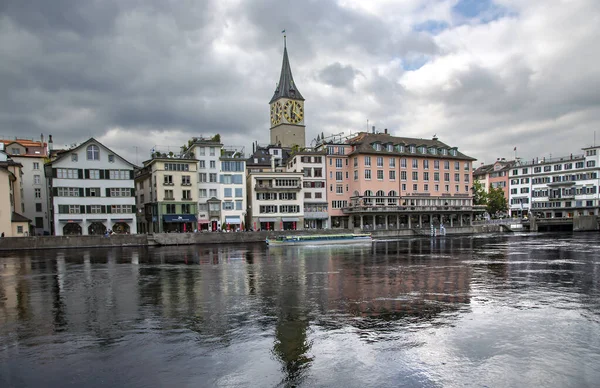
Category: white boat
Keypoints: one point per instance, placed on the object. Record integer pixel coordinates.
(321, 239)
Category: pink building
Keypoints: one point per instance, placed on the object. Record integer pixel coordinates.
(379, 181)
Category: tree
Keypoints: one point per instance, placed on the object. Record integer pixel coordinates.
(479, 194)
(496, 202)
(216, 138)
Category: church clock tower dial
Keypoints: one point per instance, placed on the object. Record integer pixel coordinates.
(287, 109)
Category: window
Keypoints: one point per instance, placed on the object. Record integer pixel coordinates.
(39, 222)
(392, 162)
(227, 205)
(392, 175)
(339, 176)
(367, 161)
(415, 163)
(38, 193)
(467, 166)
(186, 208)
(116, 192)
(38, 207)
(36, 179)
(525, 171)
(239, 192)
(67, 192)
(379, 161)
(457, 165)
(425, 164)
(187, 194)
(212, 151)
(20, 229)
(171, 209)
(36, 166)
(456, 188)
(202, 177)
(168, 180)
(415, 187)
(213, 164)
(212, 177)
(415, 176)
(169, 194)
(446, 177)
(213, 192)
(591, 163)
(111, 158)
(227, 192)
(73, 157)
(380, 175)
(447, 188)
(202, 151)
(367, 174)
(579, 165)
(426, 187)
(202, 164)
(355, 175)
(467, 178)
(436, 176)
(202, 193)
(403, 175)
(446, 165)
(339, 204)
(238, 205)
(318, 172)
(403, 163)
(339, 189)
(119, 174)
(67, 173)
(436, 164)
(426, 176)
(185, 180)
(93, 152)
(289, 209)
(307, 194)
(338, 163)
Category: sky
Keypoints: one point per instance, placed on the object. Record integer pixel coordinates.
(483, 75)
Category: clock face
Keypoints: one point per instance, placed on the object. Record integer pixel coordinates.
(293, 111)
(276, 111)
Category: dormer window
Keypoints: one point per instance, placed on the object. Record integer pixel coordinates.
(390, 147)
(444, 151)
(422, 149)
(377, 146)
(413, 149)
(93, 152)
(433, 150)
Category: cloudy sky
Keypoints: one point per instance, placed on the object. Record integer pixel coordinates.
(484, 75)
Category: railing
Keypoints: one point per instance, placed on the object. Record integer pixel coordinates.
(503, 221)
(271, 187)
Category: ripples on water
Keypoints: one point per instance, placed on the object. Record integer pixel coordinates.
(475, 311)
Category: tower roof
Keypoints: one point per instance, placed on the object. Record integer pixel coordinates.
(286, 86)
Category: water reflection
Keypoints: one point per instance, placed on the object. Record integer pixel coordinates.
(244, 304)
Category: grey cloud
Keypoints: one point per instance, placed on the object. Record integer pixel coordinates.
(338, 75)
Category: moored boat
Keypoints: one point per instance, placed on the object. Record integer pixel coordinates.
(321, 239)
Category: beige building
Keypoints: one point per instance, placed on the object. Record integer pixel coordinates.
(275, 200)
(168, 194)
(12, 223)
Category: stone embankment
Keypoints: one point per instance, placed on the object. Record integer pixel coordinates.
(169, 239)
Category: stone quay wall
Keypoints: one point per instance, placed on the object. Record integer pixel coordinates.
(170, 239)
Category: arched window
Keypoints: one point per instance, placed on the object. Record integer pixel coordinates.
(356, 193)
(392, 200)
(392, 194)
(368, 200)
(368, 193)
(380, 200)
(93, 152)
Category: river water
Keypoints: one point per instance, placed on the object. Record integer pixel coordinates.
(491, 311)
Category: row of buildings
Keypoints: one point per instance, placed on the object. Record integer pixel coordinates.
(565, 186)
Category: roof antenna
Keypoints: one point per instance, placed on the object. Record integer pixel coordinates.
(284, 39)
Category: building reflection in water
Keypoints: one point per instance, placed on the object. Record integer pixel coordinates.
(225, 295)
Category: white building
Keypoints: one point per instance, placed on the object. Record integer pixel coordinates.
(207, 151)
(92, 190)
(556, 187)
(233, 189)
(275, 201)
(314, 187)
(31, 155)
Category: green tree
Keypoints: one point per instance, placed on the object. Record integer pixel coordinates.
(216, 138)
(496, 202)
(479, 194)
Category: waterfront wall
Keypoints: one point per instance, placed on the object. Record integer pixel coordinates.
(167, 239)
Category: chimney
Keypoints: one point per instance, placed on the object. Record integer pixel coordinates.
(373, 129)
(50, 143)
(272, 164)
(385, 131)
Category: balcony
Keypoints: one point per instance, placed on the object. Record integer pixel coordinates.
(408, 209)
(214, 213)
(258, 187)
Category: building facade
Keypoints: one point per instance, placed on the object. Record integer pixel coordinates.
(556, 187)
(12, 223)
(287, 109)
(397, 182)
(91, 191)
(168, 195)
(314, 192)
(232, 176)
(275, 201)
(31, 155)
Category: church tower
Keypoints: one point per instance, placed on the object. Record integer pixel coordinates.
(287, 109)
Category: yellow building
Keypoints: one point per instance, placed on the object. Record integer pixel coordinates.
(12, 224)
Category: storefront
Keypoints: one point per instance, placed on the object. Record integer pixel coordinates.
(121, 226)
(289, 223)
(232, 223)
(267, 223)
(72, 227)
(179, 223)
(96, 227)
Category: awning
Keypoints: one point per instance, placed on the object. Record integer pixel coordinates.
(232, 220)
(291, 219)
(122, 220)
(97, 220)
(203, 221)
(267, 219)
(180, 218)
(71, 220)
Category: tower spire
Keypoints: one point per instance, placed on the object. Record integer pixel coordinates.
(286, 88)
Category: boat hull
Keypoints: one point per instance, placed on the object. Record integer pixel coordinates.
(326, 240)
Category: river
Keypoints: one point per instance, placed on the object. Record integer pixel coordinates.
(485, 311)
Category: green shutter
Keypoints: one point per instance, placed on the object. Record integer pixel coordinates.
(81, 191)
(131, 174)
(55, 191)
(108, 209)
(82, 209)
(107, 192)
(88, 209)
(103, 209)
(133, 209)
(86, 173)
(101, 174)
(133, 192)
(106, 174)
(80, 173)
(87, 191)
